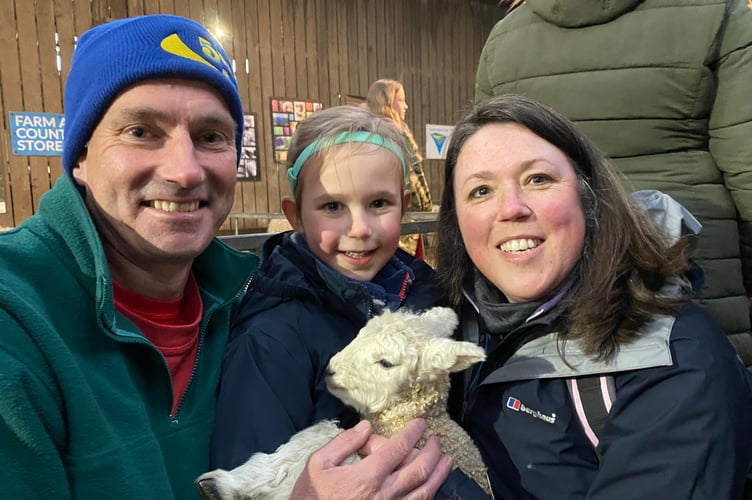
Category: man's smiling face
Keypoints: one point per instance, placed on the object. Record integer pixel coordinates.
(159, 171)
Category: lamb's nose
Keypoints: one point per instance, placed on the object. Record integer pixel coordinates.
(329, 372)
(208, 489)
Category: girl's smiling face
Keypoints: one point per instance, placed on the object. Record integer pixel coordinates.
(351, 208)
(519, 210)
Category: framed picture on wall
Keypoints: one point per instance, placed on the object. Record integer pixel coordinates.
(248, 168)
(286, 114)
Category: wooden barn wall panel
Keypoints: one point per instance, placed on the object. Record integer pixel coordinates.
(25, 45)
(371, 44)
(168, 6)
(322, 50)
(51, 91)
(82, 20)
(254, 194)
(65, 27)
(238, 49)
(10, 88)
(275, 175)
(264, 67)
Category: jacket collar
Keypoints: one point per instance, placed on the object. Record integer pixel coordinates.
(541, 357)
(221, 272)
(294, 274)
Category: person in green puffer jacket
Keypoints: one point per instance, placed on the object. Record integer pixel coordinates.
(662, 87)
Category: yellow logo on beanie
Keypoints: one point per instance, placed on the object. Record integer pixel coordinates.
(174, 45)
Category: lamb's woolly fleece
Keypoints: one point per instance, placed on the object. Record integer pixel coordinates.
(270, 476)
(395, 370)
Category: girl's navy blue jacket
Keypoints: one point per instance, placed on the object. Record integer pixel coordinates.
(297, 314)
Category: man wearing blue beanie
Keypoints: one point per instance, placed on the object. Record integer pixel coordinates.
(116, 297)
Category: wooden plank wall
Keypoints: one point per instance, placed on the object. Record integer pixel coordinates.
(320, 50)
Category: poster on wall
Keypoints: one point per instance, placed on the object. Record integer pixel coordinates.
(248, 168)
(286, 115)
(437, 139)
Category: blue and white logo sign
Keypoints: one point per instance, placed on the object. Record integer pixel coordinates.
(437, 139)
(36, 134)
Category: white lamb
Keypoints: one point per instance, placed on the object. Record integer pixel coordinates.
(269, 476)
(396, 369)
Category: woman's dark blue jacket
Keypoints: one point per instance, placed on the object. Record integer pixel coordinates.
(680, 426)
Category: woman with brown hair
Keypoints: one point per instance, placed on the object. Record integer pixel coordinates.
(567, 281)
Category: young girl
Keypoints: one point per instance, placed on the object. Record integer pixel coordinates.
(319, 284)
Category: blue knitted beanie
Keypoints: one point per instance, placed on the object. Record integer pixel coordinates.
(111, 57)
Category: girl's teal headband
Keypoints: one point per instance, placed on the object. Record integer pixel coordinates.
(344, 137)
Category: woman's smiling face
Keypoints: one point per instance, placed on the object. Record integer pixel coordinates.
(518, 210)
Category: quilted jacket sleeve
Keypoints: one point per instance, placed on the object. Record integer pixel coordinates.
(483, 88)
(730, 126)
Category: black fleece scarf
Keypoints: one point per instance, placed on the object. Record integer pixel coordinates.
(499, 317)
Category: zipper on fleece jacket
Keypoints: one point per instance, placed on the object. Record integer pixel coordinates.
(134, 338)
(201, 336)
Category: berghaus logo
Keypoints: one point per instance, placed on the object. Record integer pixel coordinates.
(517, 405)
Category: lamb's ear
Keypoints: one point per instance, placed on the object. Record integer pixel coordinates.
(446, 355)
(439, 321)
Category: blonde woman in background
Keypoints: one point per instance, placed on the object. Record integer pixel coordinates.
(386, 97)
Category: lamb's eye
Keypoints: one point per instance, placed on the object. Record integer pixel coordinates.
(385, 363)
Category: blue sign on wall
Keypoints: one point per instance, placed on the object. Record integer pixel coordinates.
(36, 134)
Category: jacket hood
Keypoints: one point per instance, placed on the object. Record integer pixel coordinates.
(579, 13)
(281, 278)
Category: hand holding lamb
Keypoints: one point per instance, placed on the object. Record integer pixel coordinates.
(395, 370)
